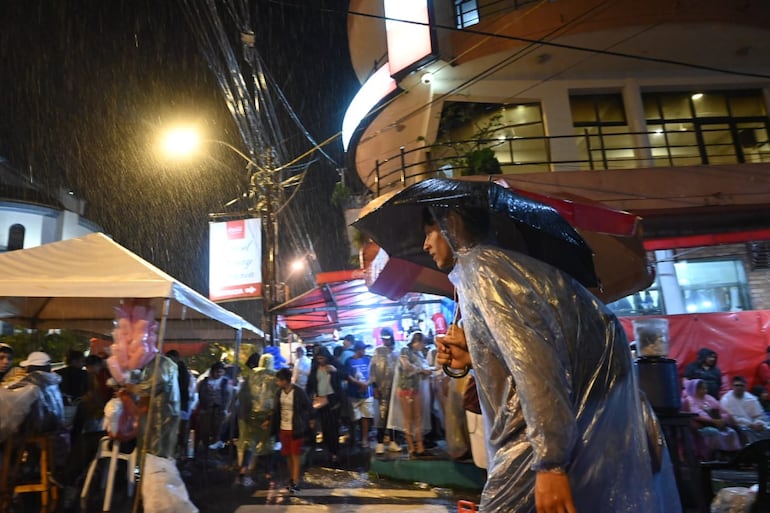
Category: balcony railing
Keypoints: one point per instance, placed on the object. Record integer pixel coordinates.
(586, 152)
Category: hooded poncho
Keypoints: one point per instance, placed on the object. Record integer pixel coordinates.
(556, 386)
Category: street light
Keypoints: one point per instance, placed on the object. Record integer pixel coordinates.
(185, 141)
(297, 266)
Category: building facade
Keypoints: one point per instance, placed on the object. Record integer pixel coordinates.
(658, 108)
(31, 216)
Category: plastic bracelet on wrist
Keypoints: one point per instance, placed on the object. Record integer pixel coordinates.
(456, 373)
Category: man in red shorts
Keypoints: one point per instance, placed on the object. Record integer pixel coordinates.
(291, 421)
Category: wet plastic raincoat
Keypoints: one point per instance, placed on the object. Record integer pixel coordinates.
(47, 413)
(556, 387)
(165, 411)
(381, 370)
(256, 402)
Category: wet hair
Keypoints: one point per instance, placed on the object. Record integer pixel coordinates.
(476, 221)
(427, 218)
(173, 354)
(93, 359)
(253, 360)
(283, 374)
(73, 355)
(322, 351)
(217, 366)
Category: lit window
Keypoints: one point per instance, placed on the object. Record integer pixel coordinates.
(466, 13)
(15, 237)
(713, 286)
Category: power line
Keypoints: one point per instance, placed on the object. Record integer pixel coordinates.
(564, 46)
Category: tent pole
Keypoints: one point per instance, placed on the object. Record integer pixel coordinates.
(156, 366)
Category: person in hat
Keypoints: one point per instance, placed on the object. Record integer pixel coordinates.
(554, 375)
(46, 414)
(381, 370)
(360, 391)
(346, 349)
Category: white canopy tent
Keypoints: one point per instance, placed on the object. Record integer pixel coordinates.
(76, 284)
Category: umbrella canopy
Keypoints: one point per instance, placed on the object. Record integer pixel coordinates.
(614, 237)
(395, 224)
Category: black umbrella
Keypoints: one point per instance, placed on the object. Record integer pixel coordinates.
(394, 223)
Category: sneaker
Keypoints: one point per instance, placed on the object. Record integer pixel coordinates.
(380, 449)
(394, 447)
(247, 481)
(293, 487)
(219, 444)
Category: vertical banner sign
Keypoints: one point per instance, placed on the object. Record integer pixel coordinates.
(235, 259)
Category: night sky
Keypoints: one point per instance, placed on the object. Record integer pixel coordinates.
(87, 84)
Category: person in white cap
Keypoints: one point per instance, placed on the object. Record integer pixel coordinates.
(47, 413)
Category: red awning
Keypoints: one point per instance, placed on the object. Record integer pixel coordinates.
(343, 304)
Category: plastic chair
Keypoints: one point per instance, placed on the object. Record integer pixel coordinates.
(109, 448)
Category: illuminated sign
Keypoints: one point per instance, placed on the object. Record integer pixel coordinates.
(235, 259)
(409, 36)
(376, 88)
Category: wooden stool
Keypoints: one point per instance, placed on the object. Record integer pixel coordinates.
(49, 493)
(109, 448)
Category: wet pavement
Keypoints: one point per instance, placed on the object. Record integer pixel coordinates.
(346, 486)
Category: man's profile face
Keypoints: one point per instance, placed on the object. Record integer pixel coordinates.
(437, 247)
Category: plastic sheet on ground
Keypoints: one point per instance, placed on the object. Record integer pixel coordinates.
(163, 490)
(733, 500)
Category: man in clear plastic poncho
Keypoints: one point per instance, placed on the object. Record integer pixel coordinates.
(165, 411)
(256, 402)
(554, 373)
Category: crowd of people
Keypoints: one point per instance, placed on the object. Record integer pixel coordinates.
(728, 416)
(382, 399)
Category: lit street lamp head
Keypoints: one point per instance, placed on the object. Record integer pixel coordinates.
(181, 142)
